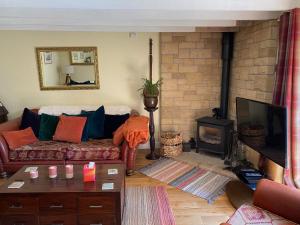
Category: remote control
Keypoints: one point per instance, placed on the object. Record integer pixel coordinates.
(253, 175)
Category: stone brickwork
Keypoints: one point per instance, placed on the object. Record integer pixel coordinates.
(191, 72)
(253, 75)
(254, 59)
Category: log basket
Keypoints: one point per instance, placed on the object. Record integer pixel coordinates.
(171, 144)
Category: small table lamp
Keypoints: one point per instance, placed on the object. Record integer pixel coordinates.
(68, 70)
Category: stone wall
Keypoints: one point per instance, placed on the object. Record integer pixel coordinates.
(191, 72)
(253, 66)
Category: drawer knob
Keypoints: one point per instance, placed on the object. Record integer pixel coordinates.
(16, 206)
(96, 206)
(56, 206)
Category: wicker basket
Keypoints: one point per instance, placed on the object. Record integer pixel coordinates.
(253, 135)
(171, 144)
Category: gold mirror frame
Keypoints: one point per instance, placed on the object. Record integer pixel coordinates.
(38, 51)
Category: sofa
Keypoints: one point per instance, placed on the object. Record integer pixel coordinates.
(273, 203)
(60, 153)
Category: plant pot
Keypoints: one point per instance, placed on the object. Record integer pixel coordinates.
(150, 101)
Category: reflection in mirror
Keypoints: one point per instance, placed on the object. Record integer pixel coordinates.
(68, 68)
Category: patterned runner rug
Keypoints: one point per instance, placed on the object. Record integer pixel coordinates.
(195, 180)
(147, 206)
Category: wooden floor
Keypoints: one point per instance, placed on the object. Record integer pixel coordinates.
(188, 209)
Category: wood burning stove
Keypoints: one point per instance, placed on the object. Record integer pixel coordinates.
(214, 135)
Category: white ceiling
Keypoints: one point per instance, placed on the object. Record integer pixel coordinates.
(135, 15)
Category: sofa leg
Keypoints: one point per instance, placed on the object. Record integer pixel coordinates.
(130, 172)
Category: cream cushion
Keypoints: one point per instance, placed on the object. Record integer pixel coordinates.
(57, 110)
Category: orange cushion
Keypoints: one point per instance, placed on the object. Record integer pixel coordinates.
(18, 138)
(69, 128)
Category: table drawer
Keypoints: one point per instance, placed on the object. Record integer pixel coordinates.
(19, 220)
(58, 220)
(57, 203)
(18, 205)
(97, 220)
(96, 204)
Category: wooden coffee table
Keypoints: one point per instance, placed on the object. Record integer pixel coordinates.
(63, 201)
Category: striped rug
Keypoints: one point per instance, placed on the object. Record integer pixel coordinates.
(147, 206)
(197, 181)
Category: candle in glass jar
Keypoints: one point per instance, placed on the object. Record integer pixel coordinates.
(69, 171)
(52, 171)
(34, 174)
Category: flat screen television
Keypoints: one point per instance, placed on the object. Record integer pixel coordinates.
(262, 127)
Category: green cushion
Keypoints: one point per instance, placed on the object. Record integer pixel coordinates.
(48, 125)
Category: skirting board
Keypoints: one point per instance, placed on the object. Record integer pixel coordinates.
(147, 145)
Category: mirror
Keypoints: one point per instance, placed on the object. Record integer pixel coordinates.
(67, 68)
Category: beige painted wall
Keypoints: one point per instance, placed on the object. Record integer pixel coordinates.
(123, 61)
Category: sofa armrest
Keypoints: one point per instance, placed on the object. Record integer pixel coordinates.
(278, 199)
(128, 155)
(11, 125)
(7, 126)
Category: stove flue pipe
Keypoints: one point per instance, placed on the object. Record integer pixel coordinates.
(227, 54)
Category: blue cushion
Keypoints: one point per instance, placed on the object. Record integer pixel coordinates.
(95, 122)
(30, 119)
(112, 123)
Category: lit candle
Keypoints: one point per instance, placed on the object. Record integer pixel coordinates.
(69, 171)
(52, 171)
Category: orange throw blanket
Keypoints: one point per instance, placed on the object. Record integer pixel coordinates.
(135, 131)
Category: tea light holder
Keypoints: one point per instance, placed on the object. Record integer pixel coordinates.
(69, 171)
(52, 171)
(34, 174)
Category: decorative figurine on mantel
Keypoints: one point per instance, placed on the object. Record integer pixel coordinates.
(150, 92)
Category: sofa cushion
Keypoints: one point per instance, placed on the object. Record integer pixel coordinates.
(18, 138)
(112, 123)
(54, 150)
(48, 125)
(69, 128)
(85, 134)
(30, 119)
(93, 150)
(95, 122)
(40, 150)
(57, 110)
(249, 214)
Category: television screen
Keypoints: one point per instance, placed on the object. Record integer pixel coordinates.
(262, 127)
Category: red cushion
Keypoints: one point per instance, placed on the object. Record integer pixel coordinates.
(19, 138)
(69, 128)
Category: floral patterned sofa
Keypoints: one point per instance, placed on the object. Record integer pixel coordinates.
(59, 153)
(273, 204)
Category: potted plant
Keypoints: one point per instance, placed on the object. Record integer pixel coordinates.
(150, 92)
